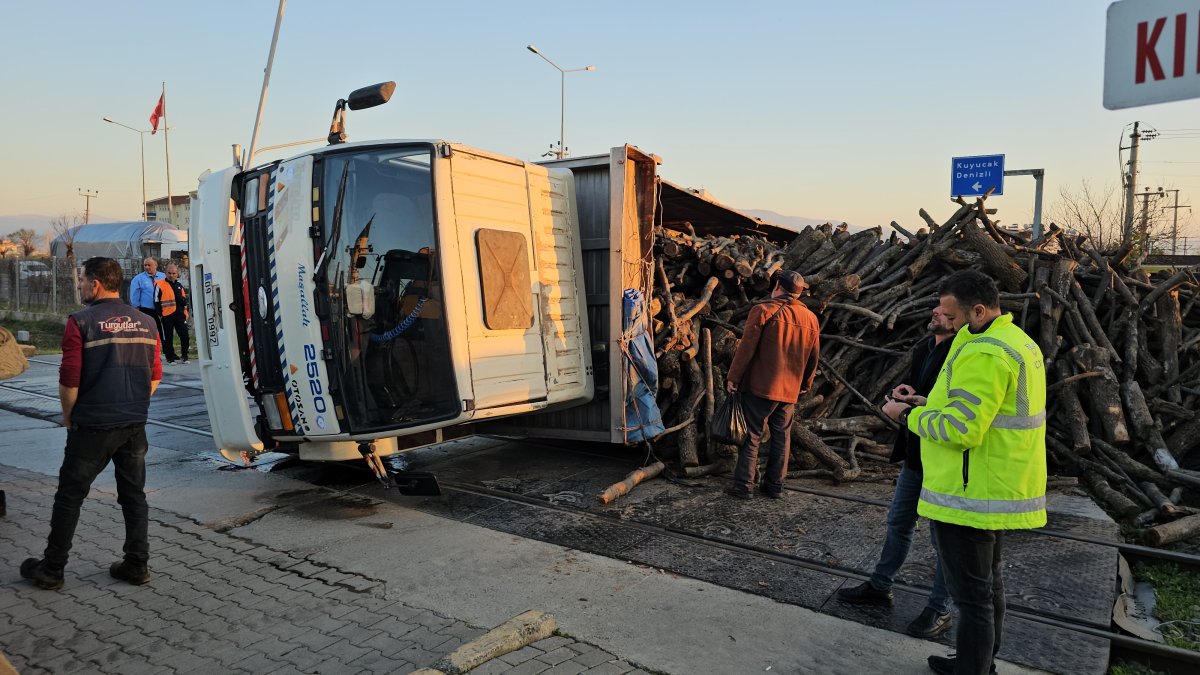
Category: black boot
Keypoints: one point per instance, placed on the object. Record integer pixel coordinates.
(943, 665)
(131, 573)
(739, 493)
(866, 594)
(929, 624)
(42, 576)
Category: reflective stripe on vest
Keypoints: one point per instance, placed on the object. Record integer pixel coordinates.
(1022, 420)
(1022, 376)
(1019, 422)
(983, 505)
(120, 341)
(165, 296)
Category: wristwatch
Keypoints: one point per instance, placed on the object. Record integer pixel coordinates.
(903, 417)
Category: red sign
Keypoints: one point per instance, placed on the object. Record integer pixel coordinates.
(1152, 52)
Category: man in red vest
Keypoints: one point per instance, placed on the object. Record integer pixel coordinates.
(110, 368)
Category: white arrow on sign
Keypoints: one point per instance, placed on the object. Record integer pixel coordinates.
(976, 186)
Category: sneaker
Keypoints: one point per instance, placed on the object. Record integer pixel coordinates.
(929, 624)
(35, 570)
(126, 572)
(770, 494)
(943, 665)
(866, 594)
(170, 362)
(183, 361)
(737, 492)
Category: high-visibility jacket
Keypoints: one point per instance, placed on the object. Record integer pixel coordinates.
(164, 297)
(182, 299)
(983, 432)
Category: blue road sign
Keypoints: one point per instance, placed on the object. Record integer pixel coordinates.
(974, 176)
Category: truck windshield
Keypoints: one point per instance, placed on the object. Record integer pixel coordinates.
(393, 364)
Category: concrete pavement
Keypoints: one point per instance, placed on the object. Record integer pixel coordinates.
(221, 603)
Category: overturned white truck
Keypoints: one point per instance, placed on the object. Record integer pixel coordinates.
(376, 296)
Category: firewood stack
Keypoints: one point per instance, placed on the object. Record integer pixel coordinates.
(1122, 348)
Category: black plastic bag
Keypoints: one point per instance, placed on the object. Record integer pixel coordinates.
(729, 424)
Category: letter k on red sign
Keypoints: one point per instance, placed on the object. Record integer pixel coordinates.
(1138, 42)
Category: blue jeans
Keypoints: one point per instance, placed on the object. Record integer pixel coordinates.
(762, 414)
(901, 523)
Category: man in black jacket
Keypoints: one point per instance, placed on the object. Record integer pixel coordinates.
(110, 368)
(928, 355)
(176, 322)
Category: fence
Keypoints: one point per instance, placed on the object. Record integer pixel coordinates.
(47, 285)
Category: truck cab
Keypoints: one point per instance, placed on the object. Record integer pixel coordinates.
(363, 292)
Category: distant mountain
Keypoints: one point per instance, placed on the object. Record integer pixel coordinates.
(791, 222)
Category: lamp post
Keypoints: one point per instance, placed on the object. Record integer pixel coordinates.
(562, 98)
(142, 141)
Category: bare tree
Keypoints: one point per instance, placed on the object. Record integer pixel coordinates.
(66, 228)
(26, 239)
(1097, 213)
(1100, 214)
(6, 246)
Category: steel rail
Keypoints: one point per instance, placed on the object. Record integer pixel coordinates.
(1188, 561)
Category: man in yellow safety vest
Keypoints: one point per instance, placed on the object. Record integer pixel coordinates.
(983, 446)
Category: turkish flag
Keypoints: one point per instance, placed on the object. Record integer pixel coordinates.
(160, 110)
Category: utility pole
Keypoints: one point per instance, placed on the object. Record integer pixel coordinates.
(1175, 221)
(87, 203)
(1130, 186)
(1144, 229)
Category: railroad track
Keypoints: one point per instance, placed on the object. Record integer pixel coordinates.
(1129, 648)
(1132, 552)
(161, 384)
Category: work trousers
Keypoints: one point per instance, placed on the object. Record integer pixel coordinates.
(175, 323)
(88, 451)
(157, 317)
(901, 523)
(975, 578)
(760, 414)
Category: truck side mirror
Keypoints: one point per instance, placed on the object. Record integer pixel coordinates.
(369, 97)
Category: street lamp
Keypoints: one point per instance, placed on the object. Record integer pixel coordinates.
(562, 98)
(142, 141)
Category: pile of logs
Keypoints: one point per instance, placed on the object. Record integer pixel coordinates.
(1121, 347)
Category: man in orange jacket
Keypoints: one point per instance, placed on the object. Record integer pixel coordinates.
(173, 299)
(775, 363)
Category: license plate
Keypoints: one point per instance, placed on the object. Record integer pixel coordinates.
(211, 308)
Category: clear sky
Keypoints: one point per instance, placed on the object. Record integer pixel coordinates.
(846, 110)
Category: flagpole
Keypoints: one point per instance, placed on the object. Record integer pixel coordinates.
(167, 145)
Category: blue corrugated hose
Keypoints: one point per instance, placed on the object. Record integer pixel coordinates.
(404, 325)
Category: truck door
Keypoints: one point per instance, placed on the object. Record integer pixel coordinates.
(499, 277)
